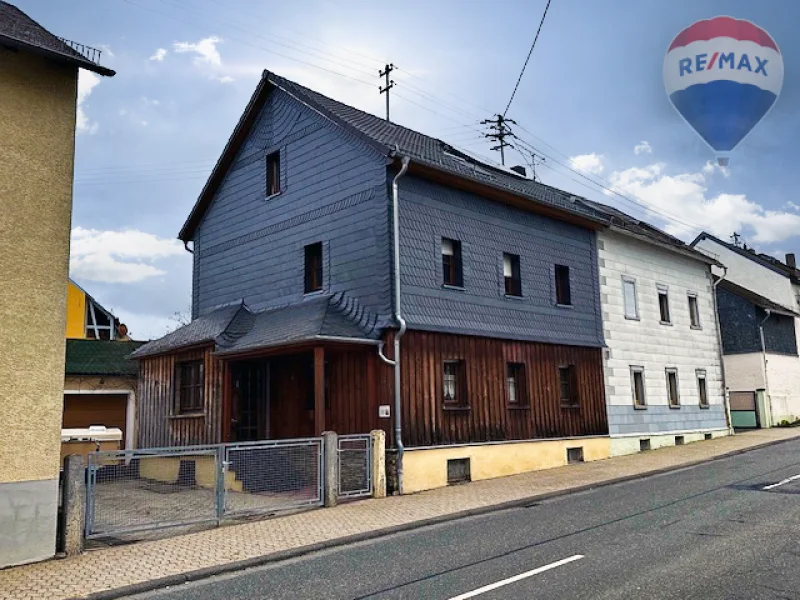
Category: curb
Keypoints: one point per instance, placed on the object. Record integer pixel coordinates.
(257, 561)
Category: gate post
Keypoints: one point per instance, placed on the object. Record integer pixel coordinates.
(330, 445)
(74, 499)
(222, 468)
(378, 466)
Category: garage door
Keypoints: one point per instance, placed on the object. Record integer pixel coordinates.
(95, 409)
(743, 410)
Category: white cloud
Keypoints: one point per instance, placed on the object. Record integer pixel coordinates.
(642, 147)
(159, 55)
(591, 163)
(712, 167)
(685, 197)
(205, 50)
(106, 50)
(225, 79)
(118, 256)
(793, 206)
(87, 81)
(147, 102)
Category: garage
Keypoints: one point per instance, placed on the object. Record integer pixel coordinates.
(83, 410)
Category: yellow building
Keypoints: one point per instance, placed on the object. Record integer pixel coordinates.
(88, 320)
(38, 79)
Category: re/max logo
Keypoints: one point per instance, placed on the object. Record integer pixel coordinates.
(701, 62)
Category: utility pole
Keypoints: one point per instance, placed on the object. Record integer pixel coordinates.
(499, 132)
(389, 84)
(534, 158)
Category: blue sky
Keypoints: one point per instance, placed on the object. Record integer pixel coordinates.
(592, 94)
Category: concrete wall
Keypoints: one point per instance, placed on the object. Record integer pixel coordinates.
(426, 468)
(487, 229)
(333, 190)
(783, 375)
(648, 343)
(744, 372)
(630, 444)
(37, 128)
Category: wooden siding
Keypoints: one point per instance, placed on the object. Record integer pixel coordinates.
(158, 426)
(487, 416)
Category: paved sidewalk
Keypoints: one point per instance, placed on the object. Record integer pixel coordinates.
(221, 549)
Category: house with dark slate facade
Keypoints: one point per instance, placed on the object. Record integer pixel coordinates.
(302, 296)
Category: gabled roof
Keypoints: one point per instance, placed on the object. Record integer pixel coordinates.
(757, 299)
(642, 230)
(393, 140)
(18, 30)
(235, 329)
(100, 357)
(765, 260)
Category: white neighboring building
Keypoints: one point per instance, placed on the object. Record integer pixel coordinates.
(663, 372)
(759, 295)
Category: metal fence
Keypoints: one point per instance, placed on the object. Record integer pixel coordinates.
(355, 465)
(139, 490)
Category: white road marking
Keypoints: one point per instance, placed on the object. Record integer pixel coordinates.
(521, 576)
(783, 482)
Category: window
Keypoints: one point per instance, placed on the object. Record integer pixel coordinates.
(568, 388)
(673, 391)
(637, 386)
(273, 173)
(100, 325)
(515, 384)
(702, 388)
(452, 380)
(313, 268)
(629, 298)
(694, 311)
(563, 292)
(663, 304)
(451, 263)
(511, 274)
(189, 386)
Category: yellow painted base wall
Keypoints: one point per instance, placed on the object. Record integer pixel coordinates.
(166, 469)
(426, 468)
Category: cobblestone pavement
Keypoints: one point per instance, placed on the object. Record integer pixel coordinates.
(119, 566)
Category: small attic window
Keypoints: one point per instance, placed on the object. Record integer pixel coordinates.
(274, 173)
(99, 324)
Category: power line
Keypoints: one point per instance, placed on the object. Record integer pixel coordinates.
(387, 71)
(499, 131)
(521, 73)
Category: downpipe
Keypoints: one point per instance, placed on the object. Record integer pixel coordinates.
(725, 397)
(764, 358)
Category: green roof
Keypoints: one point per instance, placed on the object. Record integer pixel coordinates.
(101, 357)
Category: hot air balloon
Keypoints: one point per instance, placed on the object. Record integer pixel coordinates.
(723, 75)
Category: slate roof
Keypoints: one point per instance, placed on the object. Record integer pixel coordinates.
(203, 330)
(18, 30)
(236, 329)
(765, 260)
(757, 299)
(101, 357)
(627, 224)
(389, 139)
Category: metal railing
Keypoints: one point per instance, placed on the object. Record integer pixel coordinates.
(33, 35)
(355, 465)
(133, 491)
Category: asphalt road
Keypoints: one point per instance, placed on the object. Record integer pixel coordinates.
(707, 532)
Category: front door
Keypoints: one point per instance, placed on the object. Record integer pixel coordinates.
(250, 418)
(744, 414)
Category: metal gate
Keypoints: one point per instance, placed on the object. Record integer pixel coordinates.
(744, 414)
(354, 453)
(132, 491)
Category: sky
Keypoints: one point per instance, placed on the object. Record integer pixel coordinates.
(591, 102)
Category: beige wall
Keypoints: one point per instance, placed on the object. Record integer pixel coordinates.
(426, 468)
(37, 133)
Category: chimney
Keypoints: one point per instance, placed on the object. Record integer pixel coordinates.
(790, 260)
(520, 169)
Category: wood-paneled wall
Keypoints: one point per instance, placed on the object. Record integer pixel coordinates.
(157, 425)
(487, 415)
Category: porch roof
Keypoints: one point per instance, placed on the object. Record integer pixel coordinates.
(235, 329)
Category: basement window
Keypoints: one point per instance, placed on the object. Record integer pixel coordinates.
(458, 471)
(575, 455)
(644, 445)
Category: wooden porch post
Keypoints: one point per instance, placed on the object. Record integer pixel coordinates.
(319, 390)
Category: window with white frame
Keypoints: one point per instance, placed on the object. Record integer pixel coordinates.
(694, 310)
(673, 389)
(629, 298)
(637, 387)
(663, 304)
(702, 387)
